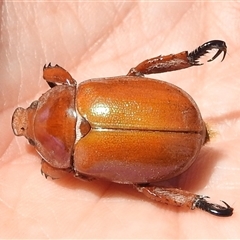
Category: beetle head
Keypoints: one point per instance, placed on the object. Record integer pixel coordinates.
(22, 121)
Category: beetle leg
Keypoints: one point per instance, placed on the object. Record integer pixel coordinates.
(161, 64)
(205, 48)
(55, 173)
(57, 75)
(181, 198)
(215, 209)
(178, 61)
(83, 177)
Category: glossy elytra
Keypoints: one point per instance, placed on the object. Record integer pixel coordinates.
(125, 129)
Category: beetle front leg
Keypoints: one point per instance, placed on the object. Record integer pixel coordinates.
(181, 198)
(55, 173)
(178, 61)
(57, 75)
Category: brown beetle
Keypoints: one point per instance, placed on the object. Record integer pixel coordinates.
(127, 129)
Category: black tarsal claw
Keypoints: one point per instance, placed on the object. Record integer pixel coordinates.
(44, 174)
(215, 209)
(217, 54)
(206, 48)
(50, 66)
(47, 66)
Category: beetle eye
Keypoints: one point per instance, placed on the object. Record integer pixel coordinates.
(31, 142)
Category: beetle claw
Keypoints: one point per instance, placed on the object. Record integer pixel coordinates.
(44, 174)
(205, 48)
(215, 209)
(217, 54)
(47, 66)
(50, 66)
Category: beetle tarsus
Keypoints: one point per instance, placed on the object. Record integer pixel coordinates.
(205, 48)
(215, 209)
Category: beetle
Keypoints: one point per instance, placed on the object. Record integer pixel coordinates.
(126, 129)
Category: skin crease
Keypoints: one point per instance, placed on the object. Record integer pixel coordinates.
(107, 39)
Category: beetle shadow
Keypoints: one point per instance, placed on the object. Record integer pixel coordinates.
(193, 180)
(198, 175)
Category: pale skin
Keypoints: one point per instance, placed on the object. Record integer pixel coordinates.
(106, 42)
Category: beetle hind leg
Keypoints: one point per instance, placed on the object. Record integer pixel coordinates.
(178, 61)
(181, 198)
